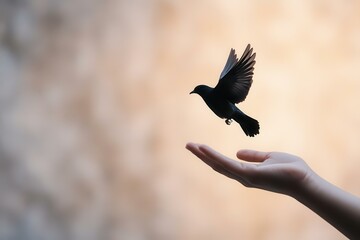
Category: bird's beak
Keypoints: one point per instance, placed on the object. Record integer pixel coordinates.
(191, 92)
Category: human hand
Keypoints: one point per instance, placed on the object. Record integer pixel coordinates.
(290, 175)
(272, 171)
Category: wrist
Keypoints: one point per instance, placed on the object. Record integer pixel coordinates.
(307, 186)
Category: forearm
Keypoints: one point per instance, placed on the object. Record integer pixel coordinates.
(339, 208)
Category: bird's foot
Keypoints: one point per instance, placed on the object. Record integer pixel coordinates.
(228, 121)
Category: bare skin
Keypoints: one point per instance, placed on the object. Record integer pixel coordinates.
(290, 175)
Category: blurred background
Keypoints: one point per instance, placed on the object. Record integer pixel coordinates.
(95, 113)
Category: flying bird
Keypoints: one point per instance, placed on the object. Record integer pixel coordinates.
(233, 87)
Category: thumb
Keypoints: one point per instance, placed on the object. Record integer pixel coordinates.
(252, 155)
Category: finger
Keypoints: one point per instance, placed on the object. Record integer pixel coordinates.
(190, 145)
(239, 171)
(231, 165)
(194, 148)
(252, 155)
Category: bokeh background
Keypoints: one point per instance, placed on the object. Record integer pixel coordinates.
(95, 112)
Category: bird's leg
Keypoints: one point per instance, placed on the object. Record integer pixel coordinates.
(228, 121)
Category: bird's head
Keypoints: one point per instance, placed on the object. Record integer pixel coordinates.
(201, 90)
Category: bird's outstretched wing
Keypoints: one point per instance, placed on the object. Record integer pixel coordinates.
(236, 78)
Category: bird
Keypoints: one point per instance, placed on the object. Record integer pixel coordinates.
(232, 88)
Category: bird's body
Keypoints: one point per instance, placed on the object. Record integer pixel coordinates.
(217, 103)
(233, 87)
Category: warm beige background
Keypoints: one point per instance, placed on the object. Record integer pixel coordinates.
(95, 113)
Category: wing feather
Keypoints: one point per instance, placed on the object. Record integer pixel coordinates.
(230, 63)
(236, 77)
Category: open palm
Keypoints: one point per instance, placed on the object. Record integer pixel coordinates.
(273, 171)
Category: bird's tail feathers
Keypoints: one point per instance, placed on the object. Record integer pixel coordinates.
(249, 125)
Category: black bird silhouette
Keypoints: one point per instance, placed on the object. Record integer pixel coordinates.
(233, 87)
